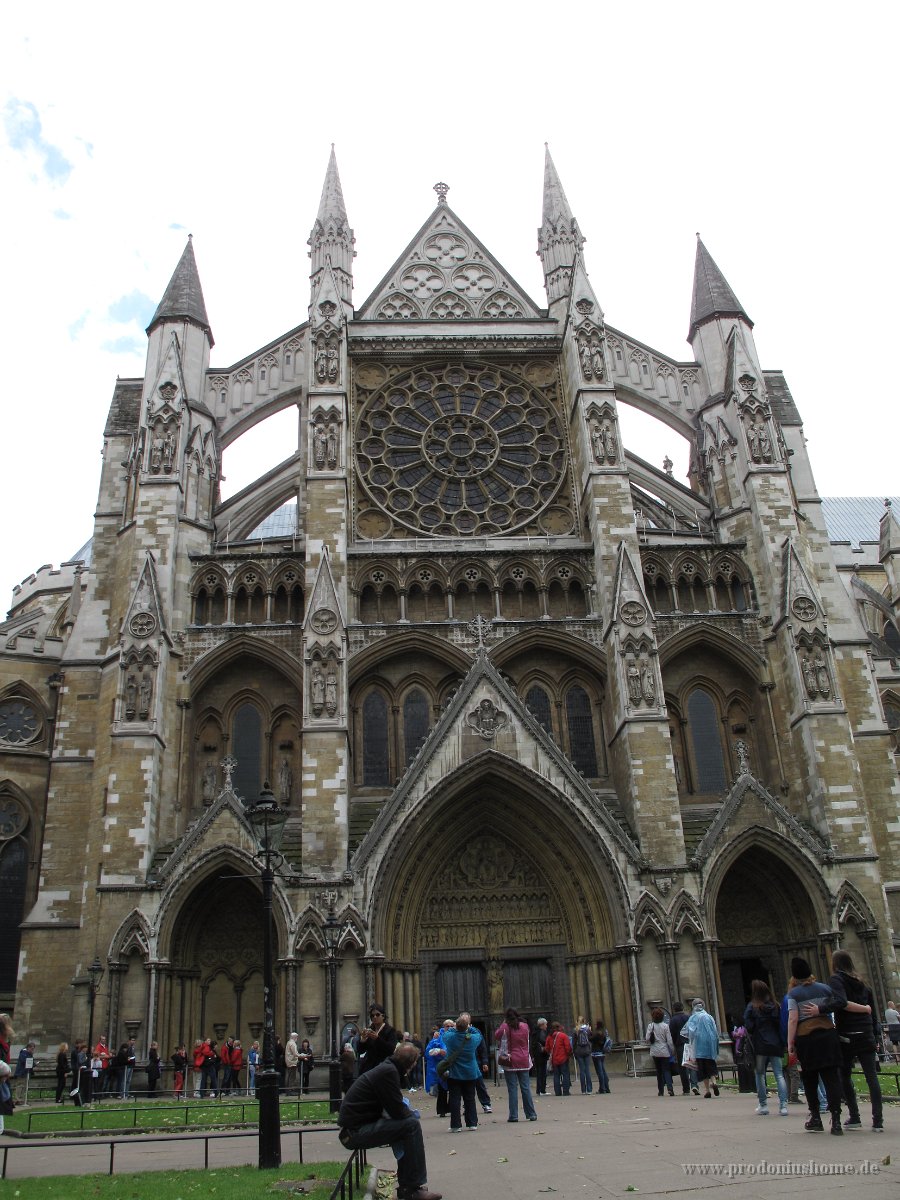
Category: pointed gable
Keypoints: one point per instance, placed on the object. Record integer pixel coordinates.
(183, 298)
(447, 274)
(712, 296)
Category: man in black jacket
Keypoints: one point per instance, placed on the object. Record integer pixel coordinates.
(377, 1041)
(363, 1123)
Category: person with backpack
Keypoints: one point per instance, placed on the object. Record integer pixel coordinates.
(601, 1044)
(581, 1044)
(559, 1051)
(764, 1046)
(662, 1050)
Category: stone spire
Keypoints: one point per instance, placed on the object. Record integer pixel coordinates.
(183, 298)
(559, 238)
(713, 296)
(331, 236)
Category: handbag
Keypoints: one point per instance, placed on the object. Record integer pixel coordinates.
(503, 1058)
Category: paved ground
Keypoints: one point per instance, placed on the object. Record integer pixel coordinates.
(582, 1146)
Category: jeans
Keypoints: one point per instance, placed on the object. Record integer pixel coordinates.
(663, 1074)
(583, 1063)
(209, 1078)
(462, 1095)
(514, 1081)
(411, 1170)
(561, 1080)
(251, 1080)
(867, 1060)
(774, 1061)
(540, 1067)
(600, 1068)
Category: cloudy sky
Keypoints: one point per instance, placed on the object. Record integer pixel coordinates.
(770, 128)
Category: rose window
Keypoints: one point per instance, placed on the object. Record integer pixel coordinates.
(461, 449)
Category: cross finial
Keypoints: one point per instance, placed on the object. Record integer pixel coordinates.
(229, 766)
(478, 626)
(442, 189)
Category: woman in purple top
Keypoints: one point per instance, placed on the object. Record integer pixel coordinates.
(518, 1041)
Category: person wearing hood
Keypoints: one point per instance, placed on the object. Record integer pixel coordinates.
(761, 1020)
(702, 1032)
(859, 1034)
(813, 1038)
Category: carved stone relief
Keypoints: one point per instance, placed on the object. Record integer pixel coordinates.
(487, 720)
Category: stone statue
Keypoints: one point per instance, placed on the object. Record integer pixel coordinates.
(168, 452)
(597, 443)
(753, 441)
(319, 444)
(130, 697)
(321, 362)
(157, 449)
(145, 692)
(584, 353)
(210, 782)
(822, 678)
(285, 781)
(609, 442)
(809, 677)
(765, 444)
(331, 444)
(331, 703)
(597, 360)
(634, 682)
(495, 986)
(668, 465)
(648, 682)
(318, 690)
(333, 365)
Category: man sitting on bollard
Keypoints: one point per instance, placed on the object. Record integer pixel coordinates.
(373, 1113)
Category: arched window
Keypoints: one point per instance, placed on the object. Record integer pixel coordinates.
(415, 722)
(375, 741)
(13, 878)
(892, 716)
(201, 607)
(247, 749)
(709, 762)
(891, 636)
(582, 748)
(539, 703)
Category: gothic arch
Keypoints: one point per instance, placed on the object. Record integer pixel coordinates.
(133, 935)
(554, 640)
(649, 919)
(244, 646)
(852, 908)
(412, 645)
(706, 634)
(684, 916)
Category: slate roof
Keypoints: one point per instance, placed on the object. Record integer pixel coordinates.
(183, 298)
(125, 410)
(854, 519)
(783, 407)
(712, 296)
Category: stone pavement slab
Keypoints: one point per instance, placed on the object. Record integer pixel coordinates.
(596, 1147)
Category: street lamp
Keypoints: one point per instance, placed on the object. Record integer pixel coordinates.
(267, 820)
(332, 934)
(95, 974)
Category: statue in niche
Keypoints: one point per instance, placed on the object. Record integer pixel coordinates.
(333, 365)
(753, 441)
(320, 444)
(210, 782)
(648, 683)
(495, 986)
(145, 693)
(168, 452)
(597, 443)
(765, 444)
(331, 703)
(809, 677)
(609, 442)
(130, 697)
(822, 678)
(597, 360)
(634, 682)
(157, 449)
(285, 781)
(317, 687)
(321, 362)
(331, 444)
(584, 353)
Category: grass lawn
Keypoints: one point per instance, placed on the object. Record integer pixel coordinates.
(158, 1115)
(227, 1183)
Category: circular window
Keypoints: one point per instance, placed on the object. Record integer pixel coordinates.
(462, 449)
(19, 723)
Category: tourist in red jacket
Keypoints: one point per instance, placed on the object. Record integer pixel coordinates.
(237, 1065)
(559, 1046)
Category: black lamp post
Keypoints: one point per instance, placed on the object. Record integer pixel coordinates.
(332, 933)
(268, 820)
(95, 974)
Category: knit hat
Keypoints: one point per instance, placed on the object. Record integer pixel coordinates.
(800, 968)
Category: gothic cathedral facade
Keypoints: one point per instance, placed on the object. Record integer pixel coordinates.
(552, 728)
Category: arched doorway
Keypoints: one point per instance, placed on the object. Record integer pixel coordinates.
(764, 914)
(216, 957)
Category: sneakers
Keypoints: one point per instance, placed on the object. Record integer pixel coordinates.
(814, 1124)
(783, 1110)
(853, 1123)
(761, 1111)
(877, 1127)
(471, 1129)
(486, 1108)
(696, 1091)
(532, 1118)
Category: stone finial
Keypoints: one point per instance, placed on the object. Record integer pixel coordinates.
(442, 189)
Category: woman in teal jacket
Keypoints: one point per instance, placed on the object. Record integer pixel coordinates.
(461, 1043)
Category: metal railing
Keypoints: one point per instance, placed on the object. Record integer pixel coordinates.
(351, 1177)
(194, 1108)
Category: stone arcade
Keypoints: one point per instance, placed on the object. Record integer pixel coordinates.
(553, 728)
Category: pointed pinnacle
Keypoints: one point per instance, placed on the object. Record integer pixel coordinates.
(712, 296)
(183, 298)
(556, 206)
(332, 202)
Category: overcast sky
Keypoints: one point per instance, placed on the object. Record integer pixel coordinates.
(769, 128)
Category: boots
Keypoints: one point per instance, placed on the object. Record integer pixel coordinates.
(814, 1124)
(836, 1127)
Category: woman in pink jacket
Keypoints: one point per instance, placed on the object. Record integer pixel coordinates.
(514, 1037)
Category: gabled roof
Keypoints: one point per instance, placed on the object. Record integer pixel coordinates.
(446, 273)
